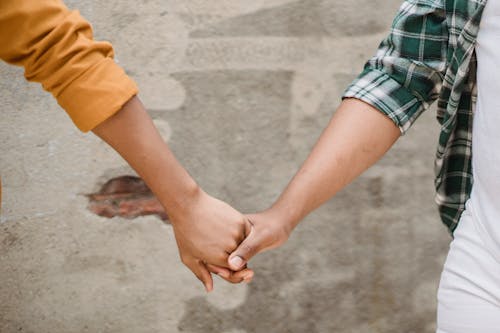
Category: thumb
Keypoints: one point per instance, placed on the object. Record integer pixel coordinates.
(245, 251)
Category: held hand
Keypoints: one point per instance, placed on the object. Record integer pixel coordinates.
(206, 229)
(206, 233)
(268, 231)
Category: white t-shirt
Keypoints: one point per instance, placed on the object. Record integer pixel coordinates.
(485, 197)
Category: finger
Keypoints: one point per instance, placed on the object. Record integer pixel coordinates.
(221, 271)
(245, 251)
(218, 258)
(246, 275)
(200, 270)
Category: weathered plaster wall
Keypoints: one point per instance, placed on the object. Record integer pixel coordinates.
(241, 90)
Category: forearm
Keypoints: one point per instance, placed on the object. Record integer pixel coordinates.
(133, 135)
(206, 229)
(357, 136)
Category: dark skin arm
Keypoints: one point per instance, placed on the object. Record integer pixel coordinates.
(206, 229)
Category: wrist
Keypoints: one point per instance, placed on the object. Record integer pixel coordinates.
(182, 201)
(287, 217)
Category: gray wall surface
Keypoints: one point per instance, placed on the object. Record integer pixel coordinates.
(241, 90)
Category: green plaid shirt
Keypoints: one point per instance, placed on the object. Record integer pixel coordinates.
(427, 56)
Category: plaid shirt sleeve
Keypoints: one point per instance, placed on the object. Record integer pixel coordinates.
(406, 74)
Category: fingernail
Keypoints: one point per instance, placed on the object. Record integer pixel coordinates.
(236, 262)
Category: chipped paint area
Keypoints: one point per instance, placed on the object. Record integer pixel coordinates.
(126, 196)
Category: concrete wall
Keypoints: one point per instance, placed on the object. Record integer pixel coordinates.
(241, 90)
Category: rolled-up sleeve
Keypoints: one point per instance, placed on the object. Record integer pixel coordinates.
(56, 48)
(406, 74)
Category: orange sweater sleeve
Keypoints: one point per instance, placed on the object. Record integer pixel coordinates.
(56, 48)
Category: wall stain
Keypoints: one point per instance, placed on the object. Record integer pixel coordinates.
(127, 197)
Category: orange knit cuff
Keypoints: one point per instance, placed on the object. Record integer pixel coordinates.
(97, 94)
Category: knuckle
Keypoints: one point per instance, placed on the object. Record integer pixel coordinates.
(223, 256)
(236, 280)
(242, 221)
(233, 245)
(234, 235)
(239, 230)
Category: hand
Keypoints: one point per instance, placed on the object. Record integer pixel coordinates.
(206, 229)
(268, 231)
(206, 233)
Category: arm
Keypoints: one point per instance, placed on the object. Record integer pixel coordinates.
(357, 136)
(56, 48)
(205, 228)
(397, 84)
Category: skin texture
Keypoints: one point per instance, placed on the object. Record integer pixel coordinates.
(357, 136)
(206, 229)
